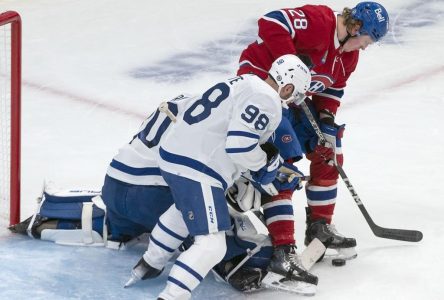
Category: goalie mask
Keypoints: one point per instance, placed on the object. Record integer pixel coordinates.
(289, 69)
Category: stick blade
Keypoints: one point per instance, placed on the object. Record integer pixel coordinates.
(398, 234)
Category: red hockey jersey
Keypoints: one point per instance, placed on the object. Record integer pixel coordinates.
(308, 30)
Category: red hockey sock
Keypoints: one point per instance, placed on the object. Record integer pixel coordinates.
(282, 233)
(279, 218)
(322, 212)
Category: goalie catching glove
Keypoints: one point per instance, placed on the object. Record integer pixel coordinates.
(243, 196)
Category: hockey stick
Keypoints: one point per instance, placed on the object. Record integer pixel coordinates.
(382, 232)
(309, 256)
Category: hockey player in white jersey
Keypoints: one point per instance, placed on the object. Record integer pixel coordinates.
(246, 110)
(211, 140)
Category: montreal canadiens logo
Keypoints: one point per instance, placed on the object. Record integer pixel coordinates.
(319, 83)
(286, 138)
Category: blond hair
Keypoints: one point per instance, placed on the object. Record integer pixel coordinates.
(349, 22)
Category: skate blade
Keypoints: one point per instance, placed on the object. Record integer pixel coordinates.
(278, 282)
(217, 277)
(342, 253)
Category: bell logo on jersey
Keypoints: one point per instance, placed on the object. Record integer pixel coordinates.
(319, 83)
(379, 15)
(190, 215)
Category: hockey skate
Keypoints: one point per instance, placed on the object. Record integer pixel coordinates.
(39, 223)
(287, 273)
(142, 271)
(338, 246)
(245, 279)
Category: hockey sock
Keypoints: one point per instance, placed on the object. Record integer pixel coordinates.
(321, 198)
(167, 236)
(193, 265)
(279, 219)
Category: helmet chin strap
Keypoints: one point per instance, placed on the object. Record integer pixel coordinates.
(288, 100)
(345, 39)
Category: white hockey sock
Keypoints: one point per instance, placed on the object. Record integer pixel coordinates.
(167, 236)
(193, 265)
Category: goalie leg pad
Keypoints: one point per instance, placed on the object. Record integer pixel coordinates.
(245, 236)
(68, 205)
(68, 210)
(78, 221)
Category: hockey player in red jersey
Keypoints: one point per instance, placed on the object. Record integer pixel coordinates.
(331, 42)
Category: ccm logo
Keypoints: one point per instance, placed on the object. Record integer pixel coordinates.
(211, 214)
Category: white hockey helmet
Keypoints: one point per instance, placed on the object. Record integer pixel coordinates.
(289, 69)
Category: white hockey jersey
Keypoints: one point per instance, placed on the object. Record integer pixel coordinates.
(215, 136)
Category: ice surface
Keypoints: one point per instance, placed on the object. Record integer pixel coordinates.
(93, 69)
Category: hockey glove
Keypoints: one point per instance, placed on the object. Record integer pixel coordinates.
(268, 173)
(243, 196)
(288, 178)
(332, 134)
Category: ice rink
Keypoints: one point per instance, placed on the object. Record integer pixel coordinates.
(93, 70)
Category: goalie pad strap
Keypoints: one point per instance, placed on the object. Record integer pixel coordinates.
(87, 222)
(98, 201)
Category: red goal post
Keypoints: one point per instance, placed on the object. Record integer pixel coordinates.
(10, 114)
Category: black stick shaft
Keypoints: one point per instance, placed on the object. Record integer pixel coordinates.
(388, 233)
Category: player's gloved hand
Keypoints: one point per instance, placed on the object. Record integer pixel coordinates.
(288, 178)
(243, 196)
(268, 173)
(333, 135)
(327, 153)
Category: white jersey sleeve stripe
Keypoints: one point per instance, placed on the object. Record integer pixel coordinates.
(243, 133)
(240, 150)
(239, 138)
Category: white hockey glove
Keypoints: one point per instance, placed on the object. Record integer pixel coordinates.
(243, 196)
